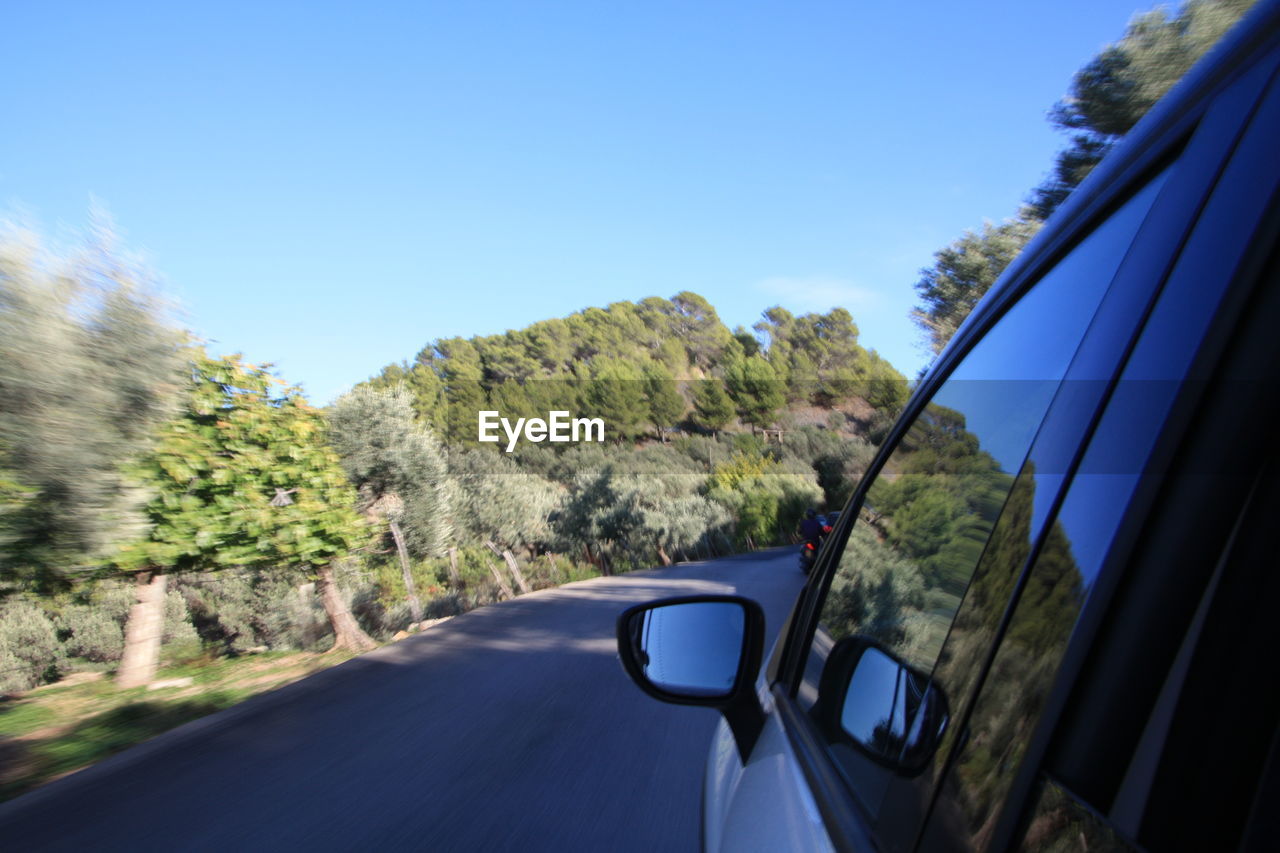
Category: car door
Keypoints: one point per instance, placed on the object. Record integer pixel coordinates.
(932, 551)
(951, 500)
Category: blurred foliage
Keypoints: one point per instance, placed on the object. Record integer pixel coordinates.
(395, 462)
(29, 649)
(243, 477)
(89, 367)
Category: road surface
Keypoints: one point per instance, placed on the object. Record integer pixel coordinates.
(512, 727)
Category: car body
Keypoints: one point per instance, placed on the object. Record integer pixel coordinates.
(1043, 635)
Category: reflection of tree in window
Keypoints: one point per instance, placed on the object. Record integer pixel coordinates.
(1022, 674)
(902, 580)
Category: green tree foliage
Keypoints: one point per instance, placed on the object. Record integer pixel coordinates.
(395, 463)
(1107, 98)
(876, 591)
(666, 405)
(838, 460)
(1119, 85)
(457, 363)
(766, 498)
(496, 500)
(616, 393)
(29, 649)
(755, 389)
(712, 407)
(398, 468)
(242, 477)
(614, 515)
(963, 272)
(88, 368)
(695, 323)
(820, 360)
(425, 387)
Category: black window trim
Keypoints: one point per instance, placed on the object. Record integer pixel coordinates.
(1020, 797)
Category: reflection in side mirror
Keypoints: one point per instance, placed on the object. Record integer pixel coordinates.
(691, 649)
(699, 650)
(889, 710)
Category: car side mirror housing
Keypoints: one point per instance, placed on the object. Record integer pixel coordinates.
(699, 650)
(873, 700)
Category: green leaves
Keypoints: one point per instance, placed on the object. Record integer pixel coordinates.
(962, 274)
(395, 462)
(218, 473)
(89, 366)
(755, 390)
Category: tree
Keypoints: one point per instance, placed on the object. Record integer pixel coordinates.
(616, 393)
(713, 409)
(494, 499)
(1121, 84)
(1107, 98)
(89, 366)
(458, 364)
(755, 389)
(695, 322)
(663, 398)
(962, 274)
(425, 388)
(398, 469)
(242, 477)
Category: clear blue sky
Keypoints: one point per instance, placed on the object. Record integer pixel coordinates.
(331, 186)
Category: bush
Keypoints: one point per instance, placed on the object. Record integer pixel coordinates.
(238, 610)
(30, 653)
(91, 633)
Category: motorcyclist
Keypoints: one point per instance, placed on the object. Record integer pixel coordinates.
(812, 529)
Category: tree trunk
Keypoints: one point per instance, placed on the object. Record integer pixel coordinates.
(415, 604)
(143, 631)
(454, 579)
(502, 582)
(555, 567)
(346, 632)
(510, 559)
(662, 555)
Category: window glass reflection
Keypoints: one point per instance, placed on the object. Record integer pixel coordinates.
(929, 516)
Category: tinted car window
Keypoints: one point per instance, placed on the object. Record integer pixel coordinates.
(907, 563)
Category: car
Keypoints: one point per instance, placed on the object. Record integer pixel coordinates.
(1055, 630)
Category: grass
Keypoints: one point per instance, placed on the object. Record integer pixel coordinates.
(53, 730)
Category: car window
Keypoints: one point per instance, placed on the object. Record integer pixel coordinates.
(907, 563)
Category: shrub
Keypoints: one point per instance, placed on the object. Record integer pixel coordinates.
(30, 653)
(238, 610)
(91, 633)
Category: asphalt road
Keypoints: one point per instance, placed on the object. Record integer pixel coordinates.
(512, 727)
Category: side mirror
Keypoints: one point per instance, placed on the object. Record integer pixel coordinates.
(885, 708)
(699, 650)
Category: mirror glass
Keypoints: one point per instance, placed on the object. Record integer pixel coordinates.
(892, 710)
(692, 648)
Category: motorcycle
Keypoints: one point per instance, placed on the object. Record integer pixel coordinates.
(808, 553)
